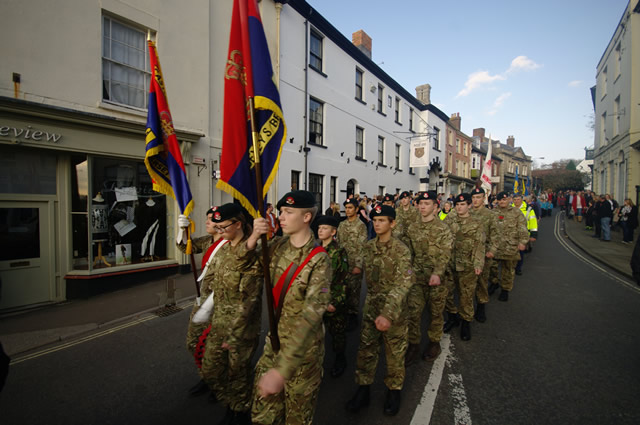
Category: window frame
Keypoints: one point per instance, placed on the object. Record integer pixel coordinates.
(381, 152)
(318, 56)
(397, 111)
(313, 123)
(436, 139)
(360, 130)
(398, 154)
(360, 87)
(381, 99)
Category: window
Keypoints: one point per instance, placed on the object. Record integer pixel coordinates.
(333, 189)
(315, 51)
(618, 60)
(380, 150)
(450, 163)
(315, 122)
(410, 119)
(411, 170)
(457, 145)
(603, 78)
(616, 114)
(381, 190)
(397, 157)
(315, 187)
(359, 83)
(398, 110)
(603, 129)
(458, 171)
(295, 180)
(436, 138)
(474, 163)
(125, 64)
(380, 98)
(359, 143)
(466, 149)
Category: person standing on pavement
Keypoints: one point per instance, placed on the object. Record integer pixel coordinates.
(532, 227)
(628, 220)
(388, 273)
(352, 235)
(512, 236)
(605, 212)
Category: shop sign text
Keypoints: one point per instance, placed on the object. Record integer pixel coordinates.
(29, 134)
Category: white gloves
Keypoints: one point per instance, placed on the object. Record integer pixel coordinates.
(204, 313)
(183, 221)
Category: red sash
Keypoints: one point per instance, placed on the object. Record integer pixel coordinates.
(207, 254)
(276, 291)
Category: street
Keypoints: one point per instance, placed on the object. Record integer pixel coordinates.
(563, 349)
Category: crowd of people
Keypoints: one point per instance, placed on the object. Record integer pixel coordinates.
(412, 251)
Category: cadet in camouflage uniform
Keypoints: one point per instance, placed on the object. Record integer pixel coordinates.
(387, 263)
(206, 245)
(488, 218)
(287, 382)
(512, 236)
(336, 315)
(467, 257)
(352, 235)
(431, 243)
(405, 215)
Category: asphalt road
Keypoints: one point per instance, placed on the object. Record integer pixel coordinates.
(563, 349)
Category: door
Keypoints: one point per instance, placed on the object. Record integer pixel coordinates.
(26, 257)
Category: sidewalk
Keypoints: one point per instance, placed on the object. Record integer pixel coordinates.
(28, 330)
(614, 254)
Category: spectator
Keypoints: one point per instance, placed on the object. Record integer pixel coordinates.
(577, 205)
(589, 215)
(629, 220)
(605, 212)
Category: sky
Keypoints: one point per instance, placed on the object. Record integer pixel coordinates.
(521, 68)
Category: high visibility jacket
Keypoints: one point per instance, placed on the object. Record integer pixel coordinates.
(442, 215)
(530, 217)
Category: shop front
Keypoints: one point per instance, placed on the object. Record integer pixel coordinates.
(76, 204)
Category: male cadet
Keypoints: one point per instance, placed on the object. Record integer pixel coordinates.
(352, 235)
(532, 225)
(512, 236)
(388, 200)
(488, 218)
(431, 243)
(387, 264)
(467, 258)
(336, 315)
(405, 215)
(287, 382)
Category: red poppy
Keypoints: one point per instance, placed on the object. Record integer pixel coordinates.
(501, 217)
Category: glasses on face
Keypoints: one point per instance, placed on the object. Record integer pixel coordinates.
(222, 229)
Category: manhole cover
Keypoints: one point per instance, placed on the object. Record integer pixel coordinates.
(167, 310)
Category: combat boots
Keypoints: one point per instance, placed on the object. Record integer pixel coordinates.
(465, 331)
(480, 313)
(412, 354)
(241, 418)
(339, 365)
(359, 400)
(504, 296)
(432, 351)
(493, 287)
(228, 417)
(453, 320)
(392, 402)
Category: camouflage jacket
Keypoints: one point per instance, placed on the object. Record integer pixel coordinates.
(468, 242)
(352, 237)
(389, 277)
(431, 244)
(511, 230)
(300, 327)
(489, 221)
(340, 268)
(403, 220)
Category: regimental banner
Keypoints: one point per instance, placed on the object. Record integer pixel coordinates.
(419, 154)
(485, 178)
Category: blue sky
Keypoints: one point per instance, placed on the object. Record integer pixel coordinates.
(513, 67)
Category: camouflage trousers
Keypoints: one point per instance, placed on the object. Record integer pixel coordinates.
(482, 289)
(465, 286)
(419, 295)
(354, 289)
(337, 325)
(228, 372)
(395, 347)
(507, 273)
(297, 403)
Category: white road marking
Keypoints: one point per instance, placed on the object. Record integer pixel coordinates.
(461, 413)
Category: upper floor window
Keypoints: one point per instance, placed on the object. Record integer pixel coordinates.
(359, 84)
(436, 138)
(359, 142)
(380, 150)
(397, 110)
(125, 64)
(603, 129)
(603, 78)
(380, 98)
(315, 121)
(618, 59)
(410, 119)
(315, 51)
(616, 115)
(397, 158)
(457, 145)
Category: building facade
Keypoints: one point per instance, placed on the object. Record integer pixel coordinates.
(457, 171)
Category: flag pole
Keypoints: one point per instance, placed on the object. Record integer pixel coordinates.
(275, 341)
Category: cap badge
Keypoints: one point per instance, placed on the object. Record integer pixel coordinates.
(290, 200)
(217, 216)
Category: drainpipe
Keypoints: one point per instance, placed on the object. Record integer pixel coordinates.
(306, 99)
(278, 5)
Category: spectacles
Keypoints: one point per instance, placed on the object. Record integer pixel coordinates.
(222, 229)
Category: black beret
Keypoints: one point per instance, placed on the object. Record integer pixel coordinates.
(225, 212)
(405, 194)
(328, 220)
(502, 195)
(463, 197)
(383, 211)
(387, 198)
(477, 190)
(352, 201)
(297, 199)
(429, 195)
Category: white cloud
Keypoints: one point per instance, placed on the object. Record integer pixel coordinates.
(498, 103)
(477, 80)
(522, 63)
(575, 83)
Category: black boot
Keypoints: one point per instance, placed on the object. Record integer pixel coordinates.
(392, 402)
(504, 296)
(465, 331)
(339, 365)
(480, 313)
(228, 417)
(359, 400)
(453, 320)
(198, 389)
(241, 418)
(493, 287)
(412, 354)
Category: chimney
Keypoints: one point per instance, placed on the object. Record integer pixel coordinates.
(362, 41)
(479, 132)
(455, 121)
(423, 93)
(511, 141)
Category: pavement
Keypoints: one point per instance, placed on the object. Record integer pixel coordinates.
(38, 328)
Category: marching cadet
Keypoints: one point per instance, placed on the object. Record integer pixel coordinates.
(352, 235)
(388, 201)
(532, 225)
(236, 287)
(336, 315)
(405, 215)
(287, 381)
(431, 243)
(512, 236)
(467, 258)
(488, 219)
(387, 263)
(207, 245)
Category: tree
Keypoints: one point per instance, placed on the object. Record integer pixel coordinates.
(571, 165)
(559, 179)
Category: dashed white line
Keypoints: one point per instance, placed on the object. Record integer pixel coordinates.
(461, 413)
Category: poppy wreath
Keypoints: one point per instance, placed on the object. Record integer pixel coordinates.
(198, 354)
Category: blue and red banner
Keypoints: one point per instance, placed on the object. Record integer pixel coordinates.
(163, 158)
(249, 74)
